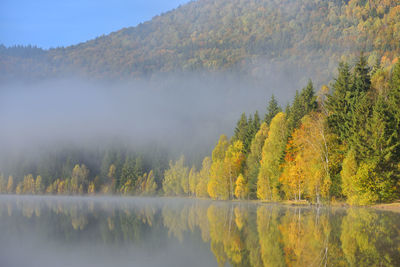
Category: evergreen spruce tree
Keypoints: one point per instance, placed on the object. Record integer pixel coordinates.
(272, 109)
(241, 129)
(303, 103)
(128, 171)
(338, 105)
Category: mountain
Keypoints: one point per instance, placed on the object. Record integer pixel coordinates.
(253, 36)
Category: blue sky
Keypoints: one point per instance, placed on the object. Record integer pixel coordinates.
(53, 23)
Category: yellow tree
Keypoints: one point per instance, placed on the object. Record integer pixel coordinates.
(307, 160)
(111, 175)
(241, 188)
(18, 189)
(272, 154)
(233, 162)
(91, 188)
(79, 175)
(2, 184)
(203, 178)
(28, 184)
(175, 177)
(151, 185)
(254, 158)
(292, 177)
(38, 185)
(193, 177)
(217, 168)
(10, 184)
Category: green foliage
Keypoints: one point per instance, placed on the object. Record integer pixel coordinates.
(306, 36)
(254, 158)
(303, 103)
(268, 185)
(272, 109)
(176, 177)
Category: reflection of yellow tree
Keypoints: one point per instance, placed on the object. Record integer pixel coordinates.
(270, 236)
(305, 236)
(175, 219)
(370, 239)
(224, 232)
(202, 222)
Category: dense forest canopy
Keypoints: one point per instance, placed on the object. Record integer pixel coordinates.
(291, 36)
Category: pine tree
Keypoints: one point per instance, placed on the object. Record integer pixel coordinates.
(241, 129)
(272, 109)
(339, 119)
(303, 103)
(129, 171)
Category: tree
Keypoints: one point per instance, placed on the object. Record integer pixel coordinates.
(272, 155)
(129, 171)
(254, 158)
(10, 184)
(80, 174)
(338, 104)
(39, 187)
(2, 184)
(303, 103)
(111, 176)
(28, 184)
(241, 129)
(307, 160)
(233, 164)
(241, 188)
(217, 171)
(193, 177)
(204, 177)
(91, 188)
(151, 186)
(173, 177)
(272, 109)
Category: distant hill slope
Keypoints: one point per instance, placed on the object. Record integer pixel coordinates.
(308, 36)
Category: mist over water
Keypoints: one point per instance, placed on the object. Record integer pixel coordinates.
(112, 231)
(184, 112)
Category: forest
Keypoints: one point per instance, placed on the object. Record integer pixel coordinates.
(308, 37)
(341, 142)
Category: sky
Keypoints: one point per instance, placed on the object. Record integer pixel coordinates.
(49, 23)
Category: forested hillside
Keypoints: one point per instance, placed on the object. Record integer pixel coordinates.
(253, 36)
(341, 142)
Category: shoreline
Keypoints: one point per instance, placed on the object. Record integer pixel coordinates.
(392, 206)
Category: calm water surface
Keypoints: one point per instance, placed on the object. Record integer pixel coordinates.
(64, 231)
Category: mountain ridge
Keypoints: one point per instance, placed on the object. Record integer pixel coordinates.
(213, 35)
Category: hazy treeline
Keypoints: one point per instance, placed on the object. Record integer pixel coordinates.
(112, 170)
(341, 143)
(238, 234)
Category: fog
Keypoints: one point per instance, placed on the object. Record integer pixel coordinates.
(186, 112)
(64, 231)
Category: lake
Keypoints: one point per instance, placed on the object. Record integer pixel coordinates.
(113, 231)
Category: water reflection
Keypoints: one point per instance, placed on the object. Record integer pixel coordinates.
(174, 232)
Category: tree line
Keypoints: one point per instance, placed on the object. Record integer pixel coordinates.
(340, 143)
